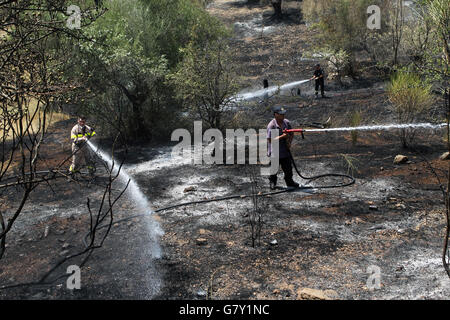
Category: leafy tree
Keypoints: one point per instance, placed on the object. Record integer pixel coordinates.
(431, 51)
(342, 24)
(435, 65)
(138, 43)
(207, 80)
(411, 97)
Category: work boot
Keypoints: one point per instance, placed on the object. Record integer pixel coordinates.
(91, 170)
(273, 185)
(273, 182)
(73, 171)
(292, 184)
(73, 174)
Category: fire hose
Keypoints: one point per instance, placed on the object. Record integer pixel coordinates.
(310, 179)
(351, 178)
(352, 181)
(240, 196)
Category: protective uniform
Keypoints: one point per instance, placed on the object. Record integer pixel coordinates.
(80, 150)
(277, 8)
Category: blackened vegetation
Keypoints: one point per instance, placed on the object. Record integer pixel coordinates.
(259, 206)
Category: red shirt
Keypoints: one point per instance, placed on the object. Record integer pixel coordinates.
(283, 150)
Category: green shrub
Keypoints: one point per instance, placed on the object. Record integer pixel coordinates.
(411, 97)
(351, 163)
(207, 80)
(137, 45)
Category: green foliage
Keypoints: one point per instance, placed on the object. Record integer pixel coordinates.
(35, 75)
(343, 25)
(429, 42)
(207, 79)
(351, 163)
(410, 96)
(171, 23)
(439, 12)
(342, 30)
(136, 46)
(342, 22)
(338, 60)
(408, 92)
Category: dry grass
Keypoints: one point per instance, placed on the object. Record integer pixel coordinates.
(52, 117)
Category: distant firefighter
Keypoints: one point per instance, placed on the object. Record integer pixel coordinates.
(265, 99)
(80, 134)
(320, 81)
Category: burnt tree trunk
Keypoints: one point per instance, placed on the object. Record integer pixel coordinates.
(137, 99)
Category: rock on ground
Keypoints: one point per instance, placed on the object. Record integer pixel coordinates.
(445, 156)
(315, 294)
(399, 159)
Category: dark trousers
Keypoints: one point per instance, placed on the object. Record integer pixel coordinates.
(320, 82)
(286, 166)
(277, 9)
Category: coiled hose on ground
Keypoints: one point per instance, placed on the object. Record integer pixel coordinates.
(352, 181)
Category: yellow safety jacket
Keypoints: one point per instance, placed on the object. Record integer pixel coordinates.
(79, 132)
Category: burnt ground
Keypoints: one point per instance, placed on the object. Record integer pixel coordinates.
(392, 217)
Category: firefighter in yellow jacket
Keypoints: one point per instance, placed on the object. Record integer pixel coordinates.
(80, 151)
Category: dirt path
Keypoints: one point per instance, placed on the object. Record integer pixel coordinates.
(265, 48)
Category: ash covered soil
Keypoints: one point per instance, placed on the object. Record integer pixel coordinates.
(392, 217)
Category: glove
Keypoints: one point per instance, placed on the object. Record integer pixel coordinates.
(92, 130)
(81, 141)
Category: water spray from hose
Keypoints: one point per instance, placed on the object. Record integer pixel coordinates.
(429, 126)
(267, 91)
(135, 194)
(133, 189)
